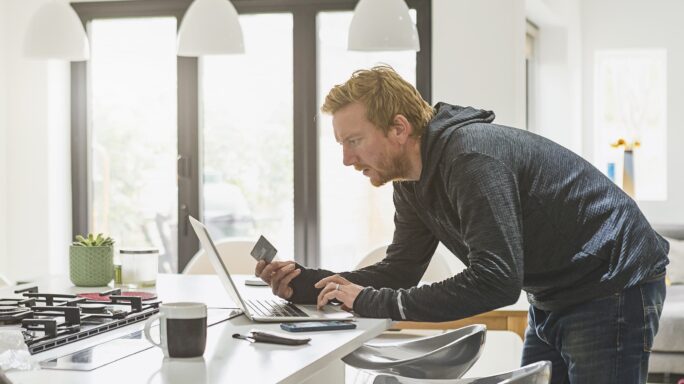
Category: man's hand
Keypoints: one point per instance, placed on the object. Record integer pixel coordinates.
(337, 287)
(278, 275)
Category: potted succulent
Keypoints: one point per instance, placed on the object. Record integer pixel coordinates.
(91, 260)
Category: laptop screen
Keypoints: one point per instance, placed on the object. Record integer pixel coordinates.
(216, 262)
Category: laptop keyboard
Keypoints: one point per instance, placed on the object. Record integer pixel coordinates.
(275, 308)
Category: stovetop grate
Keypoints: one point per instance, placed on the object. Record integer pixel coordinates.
(59, 340)
(52, 320)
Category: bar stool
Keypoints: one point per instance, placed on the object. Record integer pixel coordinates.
(444, 356)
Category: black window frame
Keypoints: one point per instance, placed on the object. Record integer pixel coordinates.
(305, 135)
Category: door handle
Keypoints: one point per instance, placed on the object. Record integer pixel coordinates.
(183, 167)
(184, 216)
(184, 171)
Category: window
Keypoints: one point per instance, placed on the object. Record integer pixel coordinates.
(630, 104)
(133, 194)
(247, 135)
(231, 140)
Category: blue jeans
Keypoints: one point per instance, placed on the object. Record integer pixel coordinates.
(603, 341)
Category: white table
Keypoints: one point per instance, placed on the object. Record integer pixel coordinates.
(225, 360)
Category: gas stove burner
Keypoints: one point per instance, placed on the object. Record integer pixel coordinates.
(14, 315)
(93, 308)
(24, 302)
(105, 297)
(7, 310)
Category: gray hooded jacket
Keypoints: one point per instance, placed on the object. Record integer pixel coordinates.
(520, 211)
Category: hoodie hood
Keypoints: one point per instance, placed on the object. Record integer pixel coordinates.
(448, 118)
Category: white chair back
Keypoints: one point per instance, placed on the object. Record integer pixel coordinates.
(235, 255)
(492, 361)
(5, 281)
(439, 268)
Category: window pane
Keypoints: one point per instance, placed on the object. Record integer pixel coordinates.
(248, 156)
(630, 104)
(133, 148)
(355, 216)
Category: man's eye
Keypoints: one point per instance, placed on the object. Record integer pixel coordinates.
(353, 142)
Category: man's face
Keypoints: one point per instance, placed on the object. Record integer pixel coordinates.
(367, 148)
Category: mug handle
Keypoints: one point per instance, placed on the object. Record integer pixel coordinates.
(148, 324)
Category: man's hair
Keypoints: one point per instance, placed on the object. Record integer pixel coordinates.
(384, 94)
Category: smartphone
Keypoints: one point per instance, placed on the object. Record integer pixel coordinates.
(311, 326)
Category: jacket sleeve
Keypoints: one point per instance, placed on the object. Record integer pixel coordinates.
(484, 194)
(407, 258)
(303, 288)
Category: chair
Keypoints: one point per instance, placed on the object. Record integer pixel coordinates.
(5, 281)
(492, 360)
(439, 268)
(535, 373)
(235, 255)
(3, 378)
(444, 356)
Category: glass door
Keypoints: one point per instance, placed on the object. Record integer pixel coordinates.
(227, 139)
(247, 133)
(132, 106)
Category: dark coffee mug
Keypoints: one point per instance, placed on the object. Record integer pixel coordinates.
(182, 329)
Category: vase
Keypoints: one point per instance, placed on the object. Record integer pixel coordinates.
(91, 266)
(628, 182)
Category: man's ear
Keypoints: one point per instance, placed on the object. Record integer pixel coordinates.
(401, 128)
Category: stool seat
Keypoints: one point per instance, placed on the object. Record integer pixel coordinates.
(444, 356)
(535, 373)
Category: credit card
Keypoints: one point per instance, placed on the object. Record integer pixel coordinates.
(263, 250)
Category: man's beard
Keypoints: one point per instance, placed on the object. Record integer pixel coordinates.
(396, 168)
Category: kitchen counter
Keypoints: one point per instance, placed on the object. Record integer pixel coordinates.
(225, 359)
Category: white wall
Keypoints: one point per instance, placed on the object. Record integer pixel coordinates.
(478, 59)
(558, 107)
(4, 36)
(628, 24)
(37, 176)
(478, 56)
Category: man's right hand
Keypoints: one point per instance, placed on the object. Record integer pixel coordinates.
(278, 275)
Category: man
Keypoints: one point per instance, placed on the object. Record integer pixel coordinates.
(519, 210)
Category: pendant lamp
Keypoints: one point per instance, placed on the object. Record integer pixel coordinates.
(56, 32)
(210, 27)
(382, 25)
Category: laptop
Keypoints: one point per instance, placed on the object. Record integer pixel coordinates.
(264, 310)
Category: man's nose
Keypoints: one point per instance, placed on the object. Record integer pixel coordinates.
(348, 157)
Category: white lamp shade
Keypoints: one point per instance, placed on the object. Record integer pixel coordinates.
(382, 25)
(56, 32)
(210, 27)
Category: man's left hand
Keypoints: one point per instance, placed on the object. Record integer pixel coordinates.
(337, 287)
